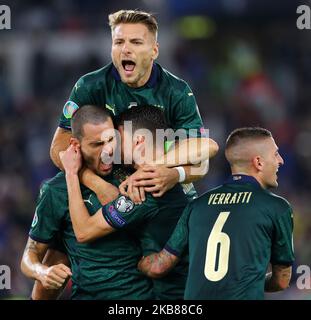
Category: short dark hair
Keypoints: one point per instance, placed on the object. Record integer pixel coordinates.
(87, 114)
(249, 133)
(134, 16)
(144, 117)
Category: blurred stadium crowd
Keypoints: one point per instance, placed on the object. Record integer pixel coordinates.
(245, 68)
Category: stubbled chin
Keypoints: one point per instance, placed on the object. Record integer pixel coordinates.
(128, 79)
(274, 184)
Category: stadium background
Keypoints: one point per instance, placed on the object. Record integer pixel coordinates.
(245, 60)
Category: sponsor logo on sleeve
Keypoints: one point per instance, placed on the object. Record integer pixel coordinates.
(117, 219)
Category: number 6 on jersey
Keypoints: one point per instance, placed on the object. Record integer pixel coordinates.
(211, 271)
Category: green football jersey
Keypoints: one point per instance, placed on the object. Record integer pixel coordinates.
(233, 232)
(103, 269)
(152, 223)
(164, 90)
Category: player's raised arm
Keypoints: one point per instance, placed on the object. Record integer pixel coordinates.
(104, 190)
(278, 279)
(190, 155)
(188, 152)
(157, 171)
(60, 142)
(197, 147)
(190, 158)
(86, 227)
(193, 155)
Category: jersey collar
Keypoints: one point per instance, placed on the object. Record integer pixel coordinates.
(242, 179)
(151, 83)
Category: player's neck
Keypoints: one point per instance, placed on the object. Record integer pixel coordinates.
(248, 173)
(143, 80)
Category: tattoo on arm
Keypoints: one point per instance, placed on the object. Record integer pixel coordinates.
(158, 265)
(279, 278)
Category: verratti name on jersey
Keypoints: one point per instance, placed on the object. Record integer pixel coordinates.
(229, 198)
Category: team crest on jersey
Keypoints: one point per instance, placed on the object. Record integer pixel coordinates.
(35, 220)
(124, 204)
(70, 108)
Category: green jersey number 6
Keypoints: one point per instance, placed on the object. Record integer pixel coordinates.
(212, 271)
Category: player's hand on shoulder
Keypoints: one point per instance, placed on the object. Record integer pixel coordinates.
(55, 276)
(71, 159)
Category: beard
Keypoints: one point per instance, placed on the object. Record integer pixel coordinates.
(90, 163)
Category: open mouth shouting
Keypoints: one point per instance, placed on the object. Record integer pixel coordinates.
(105, 167)
(128, 67)
(105, 163)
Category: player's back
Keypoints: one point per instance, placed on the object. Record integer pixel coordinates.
(231, 232)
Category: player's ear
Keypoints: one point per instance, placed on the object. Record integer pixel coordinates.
(155, 49)
(75, 142)
(139, 150)
(258, 163)
(139, 139)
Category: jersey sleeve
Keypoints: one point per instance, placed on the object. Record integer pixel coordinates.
(123, 212)
(45, 224)
(79, 97)
(187, 115)
(282, 252)
(178, 241)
